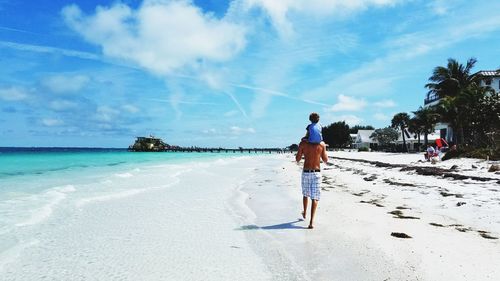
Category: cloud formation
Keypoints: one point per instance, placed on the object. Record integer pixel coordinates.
(13, 94)
(346, 103)
(160, 36)
(238, 130)
(65, 83)
(279, 11)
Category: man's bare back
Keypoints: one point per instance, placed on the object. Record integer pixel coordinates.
(312, 155)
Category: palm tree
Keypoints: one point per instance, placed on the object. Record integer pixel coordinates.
(401, 121)
(427, 118)
(452, 79)
(449, 83)
(415, 127)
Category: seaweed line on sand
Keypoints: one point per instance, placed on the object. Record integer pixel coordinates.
(425, 171)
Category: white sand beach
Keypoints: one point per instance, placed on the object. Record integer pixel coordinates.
(239, 219)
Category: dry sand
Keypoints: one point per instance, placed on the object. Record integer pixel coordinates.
(452, 226)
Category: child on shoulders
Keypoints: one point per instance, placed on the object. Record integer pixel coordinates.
(313, 134)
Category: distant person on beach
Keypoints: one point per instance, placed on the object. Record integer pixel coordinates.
(311, 174)
(313, 130)
(429, 153)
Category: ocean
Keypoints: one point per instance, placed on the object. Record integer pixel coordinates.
(59, 204)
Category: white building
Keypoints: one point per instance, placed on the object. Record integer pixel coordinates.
(412, 140)
(489, 78)
(363, 139)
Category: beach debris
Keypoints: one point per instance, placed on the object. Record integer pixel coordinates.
(398, 183)
(454, 167)
(474, 166)
(373, 202)
(463, 229)
(361, 193)
(494, 168)
(446, 194)
(400, 235)
(370, 178)
(460, 204)
(398, 214)
(403, 208)
(486, 234)
(424, 171)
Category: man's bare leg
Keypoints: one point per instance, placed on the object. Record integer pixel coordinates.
(314, 204)
(304, 204)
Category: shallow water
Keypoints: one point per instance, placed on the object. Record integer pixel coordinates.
(93, 202)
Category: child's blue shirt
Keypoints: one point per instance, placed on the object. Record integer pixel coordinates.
(314, 130)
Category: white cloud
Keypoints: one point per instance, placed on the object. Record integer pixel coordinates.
(106, 113)
(61, 105)
(381, 117)
(13, 94)
(279, 11)
(160, 36)
(260, 104)
(49, 50)
(238, 131)
(231, 113)
(385, 103)
(130, 108)
(382, 72)
(439, 7)
(51, 122)
(65, 83)
(346, 103)
(351, 120)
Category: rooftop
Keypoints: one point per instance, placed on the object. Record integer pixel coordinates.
(489, 73)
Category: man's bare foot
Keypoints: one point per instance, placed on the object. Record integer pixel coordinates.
(310, 226)
(303, 215)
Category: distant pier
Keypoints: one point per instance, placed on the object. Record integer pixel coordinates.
(154, 144)
(230, 150)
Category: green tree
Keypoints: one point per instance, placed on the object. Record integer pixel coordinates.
(385, 136)
(415, 127)
(426, 119)
(337, 134)
(401, 120)
(356, 128)
(451, 79)
(450, 83)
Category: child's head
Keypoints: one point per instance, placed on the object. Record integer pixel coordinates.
(314, 117)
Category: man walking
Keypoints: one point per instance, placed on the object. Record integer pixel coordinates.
(311, 174)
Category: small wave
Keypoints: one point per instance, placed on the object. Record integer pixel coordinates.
(109, 197)
(57, 194)
(124, 175)
(121, 194)
(66, 188)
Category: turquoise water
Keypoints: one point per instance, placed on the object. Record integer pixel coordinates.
(15, 163)
(39, 184)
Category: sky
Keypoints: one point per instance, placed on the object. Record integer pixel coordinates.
(218, 73)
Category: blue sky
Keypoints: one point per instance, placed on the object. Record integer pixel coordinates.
(223, 73)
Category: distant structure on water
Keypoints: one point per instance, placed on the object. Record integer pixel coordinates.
(150, 143)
